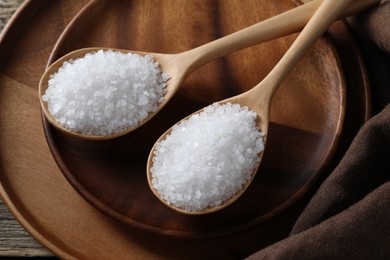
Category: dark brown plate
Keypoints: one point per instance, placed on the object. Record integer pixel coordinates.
(48, 207)
(307, 112)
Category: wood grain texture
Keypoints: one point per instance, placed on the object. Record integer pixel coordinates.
(14, 240)
(45, 203)
(7, 8)
(308, 111)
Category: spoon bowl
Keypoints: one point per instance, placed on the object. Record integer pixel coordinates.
(227, 202)
(180, 65)
(167, 64)
(258, 99)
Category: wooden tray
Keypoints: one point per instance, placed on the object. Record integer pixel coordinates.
(307, 114)
(48, 207)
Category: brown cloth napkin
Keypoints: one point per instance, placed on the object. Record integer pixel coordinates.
(374, 24)
(349, 216)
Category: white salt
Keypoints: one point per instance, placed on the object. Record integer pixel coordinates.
(105, 92)
(207, 158)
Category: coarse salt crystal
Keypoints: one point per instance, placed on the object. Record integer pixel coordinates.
(207, 158)
(109, 90)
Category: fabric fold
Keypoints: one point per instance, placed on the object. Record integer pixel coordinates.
(349, 216)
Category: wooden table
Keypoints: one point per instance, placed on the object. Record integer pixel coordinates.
(14, 240)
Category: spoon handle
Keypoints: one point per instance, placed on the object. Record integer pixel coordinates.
(280, 25)
(328, 12)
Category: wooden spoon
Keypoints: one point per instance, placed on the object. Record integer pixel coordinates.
(179, 66)
(259, 98)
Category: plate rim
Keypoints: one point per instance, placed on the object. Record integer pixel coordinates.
(12, 200)
(90, 198)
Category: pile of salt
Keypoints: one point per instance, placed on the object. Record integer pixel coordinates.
(206, 159)
(105, 92)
